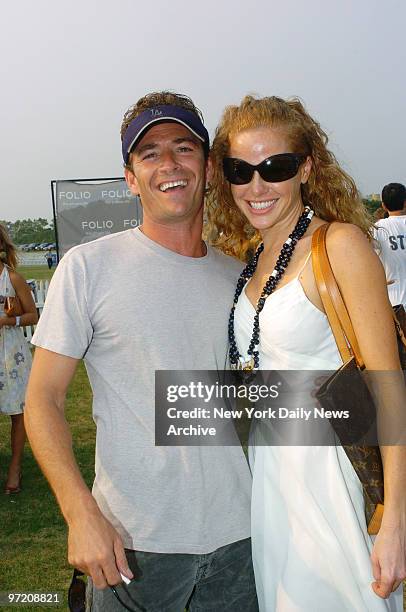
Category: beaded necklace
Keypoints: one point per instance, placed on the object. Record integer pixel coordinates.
(236, 359)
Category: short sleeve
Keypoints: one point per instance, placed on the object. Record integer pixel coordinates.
(380, 234)
(64, 326)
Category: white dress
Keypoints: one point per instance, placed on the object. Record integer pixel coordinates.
(15, 358)
(311, 549)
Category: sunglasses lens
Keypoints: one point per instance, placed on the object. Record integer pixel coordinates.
(237, 171)
(274, 169)
(279, 168)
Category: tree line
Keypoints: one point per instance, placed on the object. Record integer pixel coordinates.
(372, 205)
(27, 231)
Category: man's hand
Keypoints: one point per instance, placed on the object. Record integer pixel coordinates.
(388, 560)
(95, 547)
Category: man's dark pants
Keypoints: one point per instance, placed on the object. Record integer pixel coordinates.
(221, 581)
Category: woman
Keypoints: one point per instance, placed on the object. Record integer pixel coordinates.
(15, 356)
(310, 544)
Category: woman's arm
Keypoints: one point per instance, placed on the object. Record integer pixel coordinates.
(360, 276)
(30, 316)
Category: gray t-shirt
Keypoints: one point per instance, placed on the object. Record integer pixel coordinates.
(129, 306)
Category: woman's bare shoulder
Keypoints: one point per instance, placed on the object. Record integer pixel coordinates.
(350, 250)
(16, 279)
(346, 233)
(347, 241)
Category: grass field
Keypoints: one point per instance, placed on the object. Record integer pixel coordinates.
(37, 272)
(33, 533)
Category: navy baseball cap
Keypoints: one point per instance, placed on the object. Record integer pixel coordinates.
(165, 112)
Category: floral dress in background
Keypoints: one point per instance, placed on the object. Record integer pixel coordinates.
(15, 358)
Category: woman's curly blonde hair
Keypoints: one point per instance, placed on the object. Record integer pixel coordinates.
(331, 192)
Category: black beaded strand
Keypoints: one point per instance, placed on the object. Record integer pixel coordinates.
(236, 359)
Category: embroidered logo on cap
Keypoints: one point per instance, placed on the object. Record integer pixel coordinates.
(155, 112)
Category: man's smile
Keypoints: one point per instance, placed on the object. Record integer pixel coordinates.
(179, 184)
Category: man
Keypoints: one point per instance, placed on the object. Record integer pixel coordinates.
(49, 258)
(150, 298)
(391, 235)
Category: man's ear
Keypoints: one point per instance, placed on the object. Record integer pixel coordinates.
(131, 181)
(384, 207)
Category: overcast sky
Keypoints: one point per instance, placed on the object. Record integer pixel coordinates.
(69, 70)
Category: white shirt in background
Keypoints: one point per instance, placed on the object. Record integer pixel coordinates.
(391, 235)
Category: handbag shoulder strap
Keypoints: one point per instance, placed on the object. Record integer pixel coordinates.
(332, 300)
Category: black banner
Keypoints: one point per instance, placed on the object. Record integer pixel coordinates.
(88, 209)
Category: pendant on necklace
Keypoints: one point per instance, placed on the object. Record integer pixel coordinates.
(242, 365)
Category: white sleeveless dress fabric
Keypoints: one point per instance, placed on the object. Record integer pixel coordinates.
(311, 550)
(15, 358)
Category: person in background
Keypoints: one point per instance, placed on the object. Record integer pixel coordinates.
(15, 356)
(48, 257)
(391, 236)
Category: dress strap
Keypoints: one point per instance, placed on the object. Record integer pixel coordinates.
(304, 265)
(3, 285)
(8, 286)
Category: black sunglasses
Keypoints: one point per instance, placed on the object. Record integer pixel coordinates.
(77, 595)
(274, 169)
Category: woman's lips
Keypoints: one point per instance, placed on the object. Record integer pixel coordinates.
(263, 206)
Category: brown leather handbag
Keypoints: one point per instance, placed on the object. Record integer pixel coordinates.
(336, 392)
(12, 306)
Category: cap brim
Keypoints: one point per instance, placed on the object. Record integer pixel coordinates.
(148, 126)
